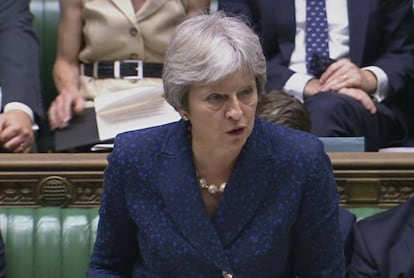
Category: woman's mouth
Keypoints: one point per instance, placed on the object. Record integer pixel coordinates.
(237, 131)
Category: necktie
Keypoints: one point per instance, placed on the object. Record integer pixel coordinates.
(316, 32)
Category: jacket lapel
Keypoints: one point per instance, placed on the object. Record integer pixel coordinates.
(402, 254)
(127, 9)
(247, 187)
(410, 237)
(358, 12)
(178, 186)
(149, 8)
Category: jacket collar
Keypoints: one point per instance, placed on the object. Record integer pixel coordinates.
(410, 231)
(149, 8)
(180, 192)
(402, 254)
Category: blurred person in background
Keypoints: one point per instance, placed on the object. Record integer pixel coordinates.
(109, 46)
(350, 62)
(21, 108)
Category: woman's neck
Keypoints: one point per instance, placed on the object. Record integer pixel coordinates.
(214, 165)
(137, 4)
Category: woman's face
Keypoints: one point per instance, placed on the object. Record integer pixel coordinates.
(222, 114)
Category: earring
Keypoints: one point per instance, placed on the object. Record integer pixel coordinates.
(185, 118)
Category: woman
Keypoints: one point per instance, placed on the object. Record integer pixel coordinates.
(219, 193)
(98, 36)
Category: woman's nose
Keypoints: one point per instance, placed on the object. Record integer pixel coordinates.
(234, 111)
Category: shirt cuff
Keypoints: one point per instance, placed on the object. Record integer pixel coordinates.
(382, 83)
(295, 85)
(23, 107)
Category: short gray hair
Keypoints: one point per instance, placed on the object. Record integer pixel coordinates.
(207, 48)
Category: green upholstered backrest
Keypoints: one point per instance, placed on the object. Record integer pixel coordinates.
(48, 242)
(46, 21)
(57, 242)
(362, 212)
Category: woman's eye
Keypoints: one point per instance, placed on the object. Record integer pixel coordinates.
(214, 98)
(245, 93)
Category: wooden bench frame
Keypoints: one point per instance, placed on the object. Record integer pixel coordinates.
(75, 179)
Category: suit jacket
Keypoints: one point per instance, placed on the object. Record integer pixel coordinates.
(19, 57)
(113, 31)
(381, 34)
(384, 244)
(278, 216)
(346, 223)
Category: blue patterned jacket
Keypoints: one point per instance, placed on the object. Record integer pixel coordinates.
(278, 216)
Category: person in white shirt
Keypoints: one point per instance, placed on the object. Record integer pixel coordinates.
(368, 90)
(20, 92)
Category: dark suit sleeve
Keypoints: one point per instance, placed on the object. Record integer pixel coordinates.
(346, 223)
(362, 263)
(396, 45)
(19, 56)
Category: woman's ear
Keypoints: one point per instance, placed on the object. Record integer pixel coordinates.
(183, 114)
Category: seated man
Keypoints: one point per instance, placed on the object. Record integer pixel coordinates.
(351, 62)
(20, 99)
(279, 107)
(384, 244)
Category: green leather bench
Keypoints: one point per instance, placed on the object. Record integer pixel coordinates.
(48, 242)
(362, 212)
(46, 21)
(56, 242)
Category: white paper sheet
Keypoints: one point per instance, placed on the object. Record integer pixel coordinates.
(132, 109)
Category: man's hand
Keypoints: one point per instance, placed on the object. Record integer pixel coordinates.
(312, 88)
(16, 133)
(61, 109)
(360, 96)
(346, 78)
(345, 74)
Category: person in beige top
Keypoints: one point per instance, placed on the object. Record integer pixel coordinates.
(101, 43)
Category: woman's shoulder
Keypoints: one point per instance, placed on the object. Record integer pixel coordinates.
(282, 137)
(147, 139)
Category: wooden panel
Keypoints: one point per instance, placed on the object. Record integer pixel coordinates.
(75, 179)
(374, 179)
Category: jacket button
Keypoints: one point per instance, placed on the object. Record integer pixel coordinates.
(227, 275)
(133, 31)
(133, 56)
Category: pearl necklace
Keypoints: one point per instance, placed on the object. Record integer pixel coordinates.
(211, 188)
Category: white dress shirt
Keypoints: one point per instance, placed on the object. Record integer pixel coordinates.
(338, 47)
(19, 106)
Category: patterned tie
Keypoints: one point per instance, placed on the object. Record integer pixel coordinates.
(316, 33)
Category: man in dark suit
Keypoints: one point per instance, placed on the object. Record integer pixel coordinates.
(368, 91)
(21, 104)
(384, 244)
